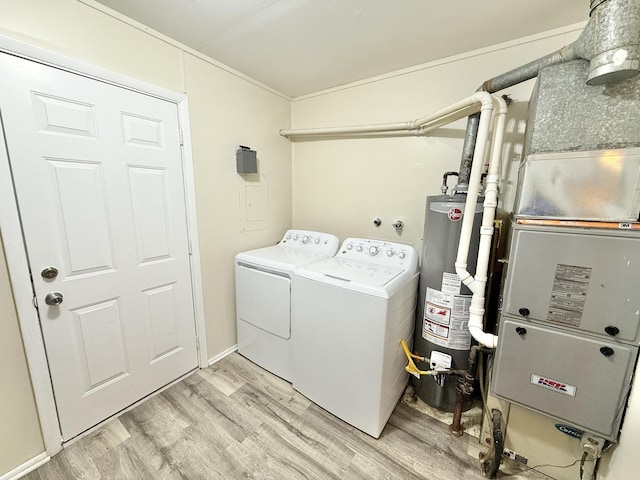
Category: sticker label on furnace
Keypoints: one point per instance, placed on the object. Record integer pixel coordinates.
(446, 316)
(554, 385)
(569, 294)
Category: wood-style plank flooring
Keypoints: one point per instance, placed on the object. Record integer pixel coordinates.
(234, 420)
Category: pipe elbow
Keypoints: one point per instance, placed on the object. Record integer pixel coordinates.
(483, 97)
(461, 271)
(502, 107)
(483, 338)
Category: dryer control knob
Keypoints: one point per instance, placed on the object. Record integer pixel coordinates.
(305, 239)
(373, 251)
(359, 248)
(289, 237)
(349, 247)
(295, 237)
(401, 255)
(317, 240)
(390, 253)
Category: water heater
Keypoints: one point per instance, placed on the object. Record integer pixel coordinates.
(441, 332)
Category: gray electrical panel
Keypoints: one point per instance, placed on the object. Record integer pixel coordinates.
(568, 336)
(246, 160)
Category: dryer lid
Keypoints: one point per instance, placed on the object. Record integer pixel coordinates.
(279, 257)
(350, 270)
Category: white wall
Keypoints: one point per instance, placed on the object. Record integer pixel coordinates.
(226, 109)
(20, 437)
(340, 185)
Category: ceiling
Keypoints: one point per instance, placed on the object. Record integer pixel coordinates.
(303, 46)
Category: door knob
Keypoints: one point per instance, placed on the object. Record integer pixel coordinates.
(53, 298)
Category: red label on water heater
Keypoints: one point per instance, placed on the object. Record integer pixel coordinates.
(455, 214)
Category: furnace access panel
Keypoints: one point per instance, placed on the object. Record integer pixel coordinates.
(576, 278)
(568, 337)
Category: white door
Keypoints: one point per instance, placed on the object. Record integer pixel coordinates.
(98, 177)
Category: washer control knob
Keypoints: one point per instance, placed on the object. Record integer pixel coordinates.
(359, 248)
(317, 240)
(390, 253)
(289, 237)
(349, 247)
(401, 255)
(373, 251)
(296, 237)
(305, 239)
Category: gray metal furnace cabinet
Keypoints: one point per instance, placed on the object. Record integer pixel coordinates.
(568, 336)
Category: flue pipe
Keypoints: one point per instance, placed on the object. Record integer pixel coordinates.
(477, 284)
(420, 125)
(611, 43)
(513, 77)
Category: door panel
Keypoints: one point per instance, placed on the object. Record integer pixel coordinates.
(98, 177)
(101, 346)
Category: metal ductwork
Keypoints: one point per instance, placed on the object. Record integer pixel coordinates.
(611, 43)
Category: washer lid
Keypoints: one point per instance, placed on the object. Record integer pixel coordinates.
(279, 257)
(349, 270)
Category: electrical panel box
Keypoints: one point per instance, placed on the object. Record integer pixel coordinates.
(581, 379)
(578, 279)
(246, 160)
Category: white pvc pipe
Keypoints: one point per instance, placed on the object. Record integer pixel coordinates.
(478, 284)
(453, 112)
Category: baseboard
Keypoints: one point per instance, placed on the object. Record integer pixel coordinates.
(217, 358)
(27, 467)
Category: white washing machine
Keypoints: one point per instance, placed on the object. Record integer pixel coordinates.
(263, 296)
(349, 314)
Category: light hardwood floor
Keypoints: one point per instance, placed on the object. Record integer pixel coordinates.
(234, 420)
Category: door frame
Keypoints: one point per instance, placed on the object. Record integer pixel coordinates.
(14, 245)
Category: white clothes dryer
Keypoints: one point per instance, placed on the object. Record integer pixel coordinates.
(263, 296)
(349, 314)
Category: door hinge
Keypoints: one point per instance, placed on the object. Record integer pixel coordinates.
(181, 138)
(190, 248)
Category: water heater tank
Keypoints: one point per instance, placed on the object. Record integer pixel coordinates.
(441, 332)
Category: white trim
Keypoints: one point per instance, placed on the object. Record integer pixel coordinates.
(154, 33)
(576, 27)
(18, 267)
(192, 228)
(47, 57)
(17, 262)
(221, 355)
(27, 467)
